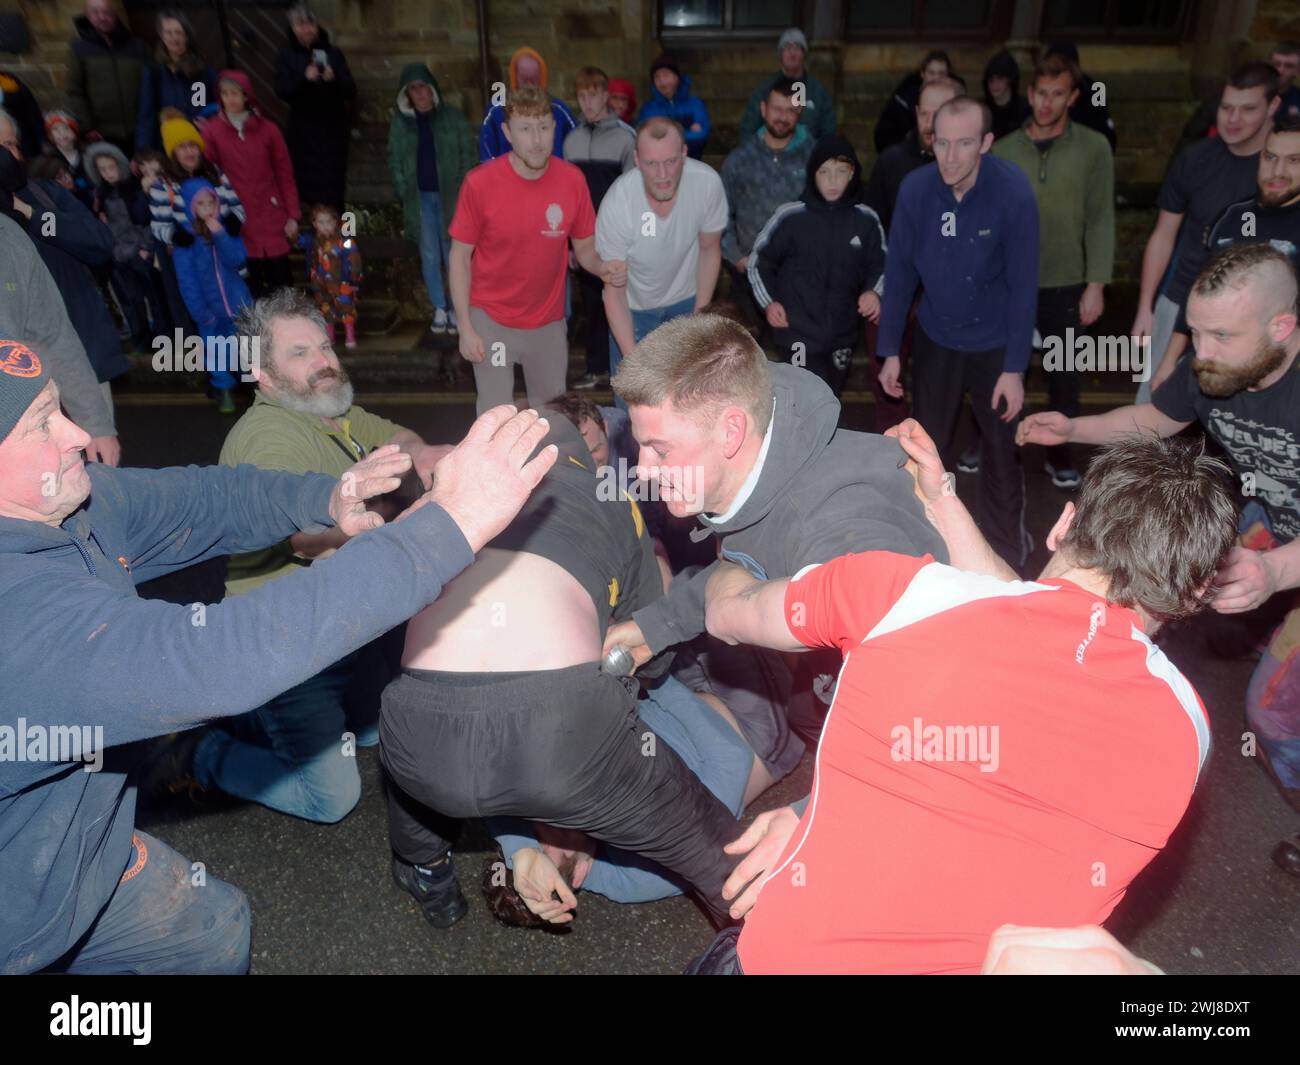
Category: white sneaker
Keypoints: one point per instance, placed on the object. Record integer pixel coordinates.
(439, 325)
(451, 322)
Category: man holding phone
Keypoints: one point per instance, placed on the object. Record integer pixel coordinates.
(312, 76)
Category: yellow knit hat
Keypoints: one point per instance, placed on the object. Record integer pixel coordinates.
(176, 131)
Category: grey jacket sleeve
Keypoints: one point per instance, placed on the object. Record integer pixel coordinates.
(678, 616)
(865, 518)
(49, 332)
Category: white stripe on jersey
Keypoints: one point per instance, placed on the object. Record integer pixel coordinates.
(1158, 665)
(937, 588)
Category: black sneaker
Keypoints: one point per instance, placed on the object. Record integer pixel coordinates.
(434, 888)
(588, 381)
(1063, 476)
(969, 461)
(1286, 856)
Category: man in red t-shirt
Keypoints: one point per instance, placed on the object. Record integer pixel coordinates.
(515, 217)
(997, 751)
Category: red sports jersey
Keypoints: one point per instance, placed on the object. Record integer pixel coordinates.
(996, 752)
(520, 230)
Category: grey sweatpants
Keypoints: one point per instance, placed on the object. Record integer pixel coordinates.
(543, 353)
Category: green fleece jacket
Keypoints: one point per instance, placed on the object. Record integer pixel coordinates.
(451, 139)
(1074, 183)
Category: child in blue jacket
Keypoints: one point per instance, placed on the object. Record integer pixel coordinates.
(208, 274)
(670, 97)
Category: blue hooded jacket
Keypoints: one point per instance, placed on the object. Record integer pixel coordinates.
(492, 142)
(683, 107)
(82, 650)
(208, 270)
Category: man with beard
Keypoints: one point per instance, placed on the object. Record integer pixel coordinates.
(665, 222)
(1072, 173)
(766, 171)
(1271, 216)
(819, 109)
(293, 754)
(1241, 383)
(515, 218)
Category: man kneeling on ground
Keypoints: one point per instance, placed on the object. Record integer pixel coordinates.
(502, 707)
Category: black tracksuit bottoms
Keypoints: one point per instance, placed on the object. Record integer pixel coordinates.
(565, 747)
(1058, 310)
(940, 378)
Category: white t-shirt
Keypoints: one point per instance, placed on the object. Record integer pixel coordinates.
(662, 254)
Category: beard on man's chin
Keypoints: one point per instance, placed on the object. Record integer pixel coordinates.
(332, 401)
(1277, 199)
(1221, 382)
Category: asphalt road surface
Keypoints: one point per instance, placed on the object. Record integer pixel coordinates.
(322, 900)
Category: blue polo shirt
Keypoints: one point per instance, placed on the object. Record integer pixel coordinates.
(977, 259)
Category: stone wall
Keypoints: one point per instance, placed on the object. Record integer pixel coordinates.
(1150, 89)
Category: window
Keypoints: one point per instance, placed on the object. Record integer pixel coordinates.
(1124, 19)
(983, 19)
(740, 18)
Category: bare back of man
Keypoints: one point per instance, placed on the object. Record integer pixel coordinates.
(510, 611)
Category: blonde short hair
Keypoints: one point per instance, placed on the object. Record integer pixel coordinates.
(528, 102)
(702, 363)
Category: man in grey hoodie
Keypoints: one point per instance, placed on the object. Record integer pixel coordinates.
(603, 147)
(752, 449)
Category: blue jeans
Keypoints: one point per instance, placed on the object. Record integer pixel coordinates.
(433, 249)
(166, 916)
(711, 749)
(644, 323)
(290, 754)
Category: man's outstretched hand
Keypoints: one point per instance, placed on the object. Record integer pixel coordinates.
(762, 844)
(379, 472)
(1048, 428)
(923, 461)
(485, 480)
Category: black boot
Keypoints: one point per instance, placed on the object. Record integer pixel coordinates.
(434, 887)
(1286, 856)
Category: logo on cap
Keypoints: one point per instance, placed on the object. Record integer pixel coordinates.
(18, 360)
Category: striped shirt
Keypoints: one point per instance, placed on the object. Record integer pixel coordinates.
(167, 207)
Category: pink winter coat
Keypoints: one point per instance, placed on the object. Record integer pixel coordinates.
(257, 164)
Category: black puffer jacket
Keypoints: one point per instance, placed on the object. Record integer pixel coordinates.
(319, 126)
(816, 258)
(71, 241)
(104, 79)
(1008, 117)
